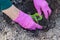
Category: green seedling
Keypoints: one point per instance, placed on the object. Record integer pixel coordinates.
(34, 16)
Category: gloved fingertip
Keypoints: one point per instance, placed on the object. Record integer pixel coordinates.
(49, 11)
(39, 26)
(46, 17)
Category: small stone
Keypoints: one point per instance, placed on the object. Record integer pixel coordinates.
(7, 39)
(49, 33)
(56, 32)
(54, 38)
(58, 38)
(4, 20)
(5, 33)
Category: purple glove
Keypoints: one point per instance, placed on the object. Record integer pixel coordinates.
(42, 5)
(26, 21)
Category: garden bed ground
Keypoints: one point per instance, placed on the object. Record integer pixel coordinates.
(12, 31)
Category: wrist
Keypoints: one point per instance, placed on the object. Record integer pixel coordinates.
(12, 12)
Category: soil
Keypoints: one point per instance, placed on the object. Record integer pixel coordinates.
(12, 31)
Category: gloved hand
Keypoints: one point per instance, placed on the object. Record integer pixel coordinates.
(26, 21)
(42, 5)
